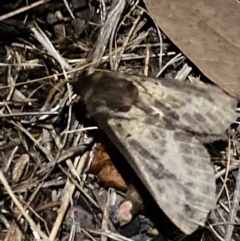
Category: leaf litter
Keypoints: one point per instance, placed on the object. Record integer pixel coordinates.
(40, 132)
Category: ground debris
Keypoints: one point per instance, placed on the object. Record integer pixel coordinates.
(46, 140)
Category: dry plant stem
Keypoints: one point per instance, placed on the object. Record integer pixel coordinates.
(30, 200)
(72, 235)
(11, 84)
(233, 209)
(129, 56)
(215, 216)
(227, 171)
(224, 186)
(61, 144)
(160, 39)
(88, 234)
(80, 188)
(80, 130)
(105, 219)
(215, 232)
(65, 137)
(226, 209)
(42, 38)
(111, 235)
(43, 149)
(23, 9)
(72, 169)
(29, 114)
(69, 95)
(9, 161)
(171, 61)
(146, 64)
(104, 59)
(75, 138)
(183, 73)
(11, 103)
(223, 171)
(21, 208)
(225, 223)
(106, 30)
(137, 36)
(39, 80)
(112, 57)
(119, 56)
(69, 9)
(103, 11)
(69, 189)
(135, 43)
(20, 64)
(12, 230)
(52, 92)
(75, 150)
(161, 47)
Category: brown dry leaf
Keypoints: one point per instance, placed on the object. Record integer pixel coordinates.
(19, 167)
(103, 167)
(207, 32)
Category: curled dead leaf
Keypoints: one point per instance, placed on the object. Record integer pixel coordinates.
(103, 167)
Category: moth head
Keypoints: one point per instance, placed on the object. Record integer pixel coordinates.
(104, 90)
(84, 86)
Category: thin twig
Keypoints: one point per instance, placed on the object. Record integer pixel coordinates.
(233, 209)
(23, 9)
(69, 189)
(106, 30)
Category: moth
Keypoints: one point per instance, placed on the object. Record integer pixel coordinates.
(160, 126)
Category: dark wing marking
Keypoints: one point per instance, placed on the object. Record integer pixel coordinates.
(202, 109)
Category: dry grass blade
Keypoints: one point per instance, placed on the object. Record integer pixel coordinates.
(69, 189)
(108, 27)
(13, 13)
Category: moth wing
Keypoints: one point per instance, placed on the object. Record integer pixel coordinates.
(173, 165)
(200, 108)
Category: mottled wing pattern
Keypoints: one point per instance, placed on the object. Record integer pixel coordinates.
(205, 110)
(172, 164)
(159, 126)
